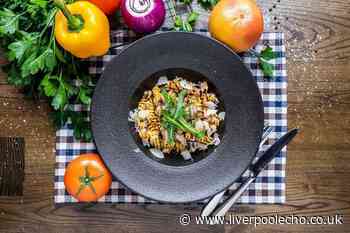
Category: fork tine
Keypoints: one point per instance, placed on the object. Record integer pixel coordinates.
(266, 125)
(265, 135)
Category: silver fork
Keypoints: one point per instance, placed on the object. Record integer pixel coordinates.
(215, 200)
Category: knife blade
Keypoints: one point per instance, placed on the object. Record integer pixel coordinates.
(255, 169)
(272, 151)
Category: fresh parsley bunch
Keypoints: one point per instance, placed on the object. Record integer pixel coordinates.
(40, 66)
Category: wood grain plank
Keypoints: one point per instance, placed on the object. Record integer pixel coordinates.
(11, 166)
(102, 218)
(315, 30)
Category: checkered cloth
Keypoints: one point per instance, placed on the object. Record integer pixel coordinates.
(269, 187)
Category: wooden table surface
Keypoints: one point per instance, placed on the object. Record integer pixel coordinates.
(318, 164)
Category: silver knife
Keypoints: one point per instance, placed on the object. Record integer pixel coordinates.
(255, 169)
(215, 200)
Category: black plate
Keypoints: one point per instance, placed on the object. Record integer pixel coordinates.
(194, 57)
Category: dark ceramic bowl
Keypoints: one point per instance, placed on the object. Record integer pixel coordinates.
(195, 58)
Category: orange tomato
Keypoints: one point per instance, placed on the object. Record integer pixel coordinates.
(87, 178)
(107, 6)
(237, 23)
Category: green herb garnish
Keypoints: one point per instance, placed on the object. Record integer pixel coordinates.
(171, 134)
(169, 105)
(175, 112)
(180, 105)
(182, 124)
(179, 23)
(175, 119)
(169, 102)
(264, 57)
(186, 25)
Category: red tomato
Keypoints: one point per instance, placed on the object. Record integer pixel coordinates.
(107, 6)
(237, 23)
(87, 178)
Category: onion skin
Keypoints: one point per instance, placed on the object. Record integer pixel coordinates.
(147, 20)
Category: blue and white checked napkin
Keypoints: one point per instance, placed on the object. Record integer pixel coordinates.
(269, 187)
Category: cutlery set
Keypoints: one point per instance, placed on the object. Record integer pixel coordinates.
(212, 208)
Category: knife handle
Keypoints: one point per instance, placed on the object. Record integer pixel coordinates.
(212, 204)
(221, 210)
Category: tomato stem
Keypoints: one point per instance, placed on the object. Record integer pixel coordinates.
(87, 180)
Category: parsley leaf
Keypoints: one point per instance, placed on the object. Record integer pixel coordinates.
(178, 23)
(84, 95)
(208, 4)
(59, 55)
(27, 67)
(59, 118)
(34, 64)
(265, 56)
(14, 76)
(39, 3)
(268, 53)
(267, 68)
(9, 21)
(187, 2)
(60, 99)
(192, 18)
(186, 25)
(17, 49)
(50, 85)
(82, 129)
(50, 59)
(70, 89)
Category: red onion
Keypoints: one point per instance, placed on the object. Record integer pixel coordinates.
(143, 16)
